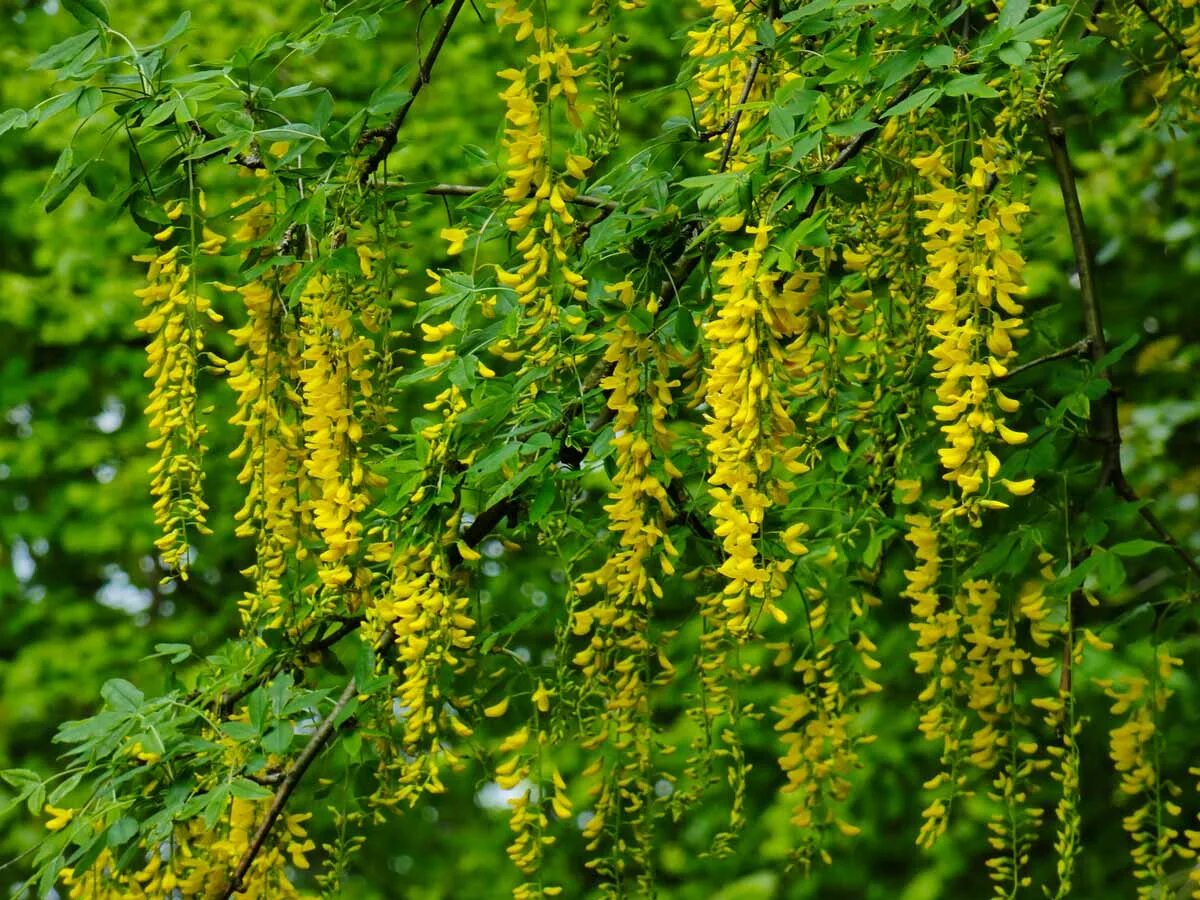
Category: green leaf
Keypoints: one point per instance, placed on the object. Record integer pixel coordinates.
(1138, 547)
(278, 739)
(13, 118)
(256, 703)
(20, 778)
(939, 57)
(1013, 12)
(177, 652)
(88, 12)
(923, 98)
(122, 831)
(64, 52)
(1041, 24)
(161, 113)
(90, 100)
(970, 86)
(1115, 353)
(542, 501)
(345, 713)
(281, 689)
(240, 731)
(177, 28)
(293, 131)
(245, 789)
(494, 460)
(121, 695)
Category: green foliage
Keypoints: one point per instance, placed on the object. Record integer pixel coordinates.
(140, 701)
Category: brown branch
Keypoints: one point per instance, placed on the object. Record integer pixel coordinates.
(1160, 25)
(468, 190)
(228, 701)
(1076, 349)
(287, 787)
(387, 136)
(857, 145)
(731, 126)
(1105, 422)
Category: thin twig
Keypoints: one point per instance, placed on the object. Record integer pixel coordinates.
(228, 701)
(1076, 349)
(387, 137)
(290, 782)
(1105, 423)
(582, 199)
(736, 118)
(857, 145)
(1160, 25)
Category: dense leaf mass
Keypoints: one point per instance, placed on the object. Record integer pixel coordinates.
(621, 448)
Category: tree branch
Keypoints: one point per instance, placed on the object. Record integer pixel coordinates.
(1160, 25)
(857, 145)
(1105, 422)
(1076, 349)
(731, 126)
(287, 787)
(387, 137)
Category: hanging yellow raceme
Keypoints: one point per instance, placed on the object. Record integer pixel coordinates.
(617, 659)
(1134, 746)
(271, 447)
(176, 317)
(975, 277)
(432, 633)
(335, 375)
(747, 425)
(542, 221)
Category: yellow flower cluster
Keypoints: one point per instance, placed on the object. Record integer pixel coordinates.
(747, 423)
(975, 277)
(175, 320)
(616, 661)
(542, 219)
(432, 629)
(1174, 27)
(1133, 747)
(334, 374)
(528, 820)
(816, 727)
(722, 48)
(938, 655)
(606, 73)
(264, 378)
(201, 860)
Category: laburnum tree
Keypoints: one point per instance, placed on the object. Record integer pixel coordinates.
(729, 481)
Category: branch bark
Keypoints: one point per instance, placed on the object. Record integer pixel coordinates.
(387, 137)
(287, 787)
(1076, 349)
(1105, 421)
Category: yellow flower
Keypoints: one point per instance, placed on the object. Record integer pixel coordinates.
(496, 710)
(1018, 488)
(60, 818)
(456, 237)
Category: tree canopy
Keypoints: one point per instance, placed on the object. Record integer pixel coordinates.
(729, 448)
